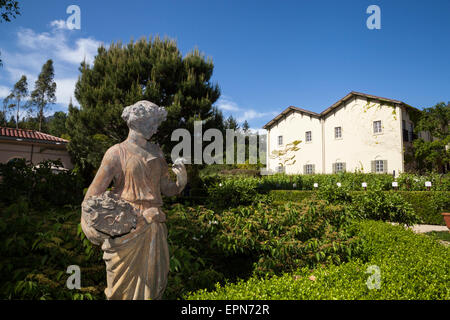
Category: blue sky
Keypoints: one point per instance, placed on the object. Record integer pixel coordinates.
(267, 54)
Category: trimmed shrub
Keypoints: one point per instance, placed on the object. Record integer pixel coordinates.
(281, 196)
(384, 206)
(233, 192)
(427, 205)
(351, 181)
(411, 267)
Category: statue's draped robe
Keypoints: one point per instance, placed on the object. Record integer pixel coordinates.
(137, 264)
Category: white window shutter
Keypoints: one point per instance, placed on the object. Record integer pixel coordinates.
(373, 166)
(313, 168)
(385, 168)
(343, 167)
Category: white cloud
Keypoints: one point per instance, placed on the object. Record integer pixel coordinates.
(58, 24)
(253, 114)
(4, 91)
(59, 44)
(32, 49)
(258, 131)
(65, 89)
(225, 103)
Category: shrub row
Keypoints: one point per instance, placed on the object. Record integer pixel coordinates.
(352, 181)
(427, 206)
(411, 267)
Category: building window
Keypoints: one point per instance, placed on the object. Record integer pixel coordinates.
(280, 140)
(377, 126)
(338, 132)
(308, 136)
(379, 166)
(280, 169)
(308, 168)
(338, 167)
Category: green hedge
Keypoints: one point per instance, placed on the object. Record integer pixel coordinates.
(428, 205)
(411, 267)
(352, 181)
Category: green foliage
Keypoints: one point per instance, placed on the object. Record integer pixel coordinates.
(439, 235)
(18, 94)
(191, 265)
(285, 237)
(233, 192)
(427, 205)
(349, 181)
(335, 194)
(57, 124)
(411, 266)
(281, 196)
(38, 246)
(121, 75)
(433, 155)
(385, 206)
(38, 185)
(44, 91)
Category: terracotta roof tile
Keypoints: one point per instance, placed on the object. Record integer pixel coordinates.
(28, 134)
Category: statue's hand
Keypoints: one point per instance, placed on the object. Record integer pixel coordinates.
(180, 171)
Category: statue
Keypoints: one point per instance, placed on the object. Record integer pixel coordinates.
(128, 221)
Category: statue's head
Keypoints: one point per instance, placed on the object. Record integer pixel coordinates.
(144, 117)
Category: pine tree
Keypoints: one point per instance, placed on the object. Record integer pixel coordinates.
(19, 93)
(231, 123)
(121, 75)
(44, 90)
(245, 126)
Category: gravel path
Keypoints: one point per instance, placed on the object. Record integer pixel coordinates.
(422, 228)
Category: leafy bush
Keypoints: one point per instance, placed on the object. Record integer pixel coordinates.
(282, 196)
(335, 194)
(285, 237)
(427, 205)
(411, 267)
(38, 246)
(385, 206)
(38, 184)
(233, 192)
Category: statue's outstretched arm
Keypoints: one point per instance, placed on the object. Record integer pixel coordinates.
(169, 187)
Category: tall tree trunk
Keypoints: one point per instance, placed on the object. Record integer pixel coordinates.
(17, 114)
(40, 118)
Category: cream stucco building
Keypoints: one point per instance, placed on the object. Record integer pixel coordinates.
(360, 132)
(33, 146)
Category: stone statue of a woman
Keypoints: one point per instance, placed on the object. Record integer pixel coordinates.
(128, 221)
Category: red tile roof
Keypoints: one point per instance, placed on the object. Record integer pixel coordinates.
(29, 134)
